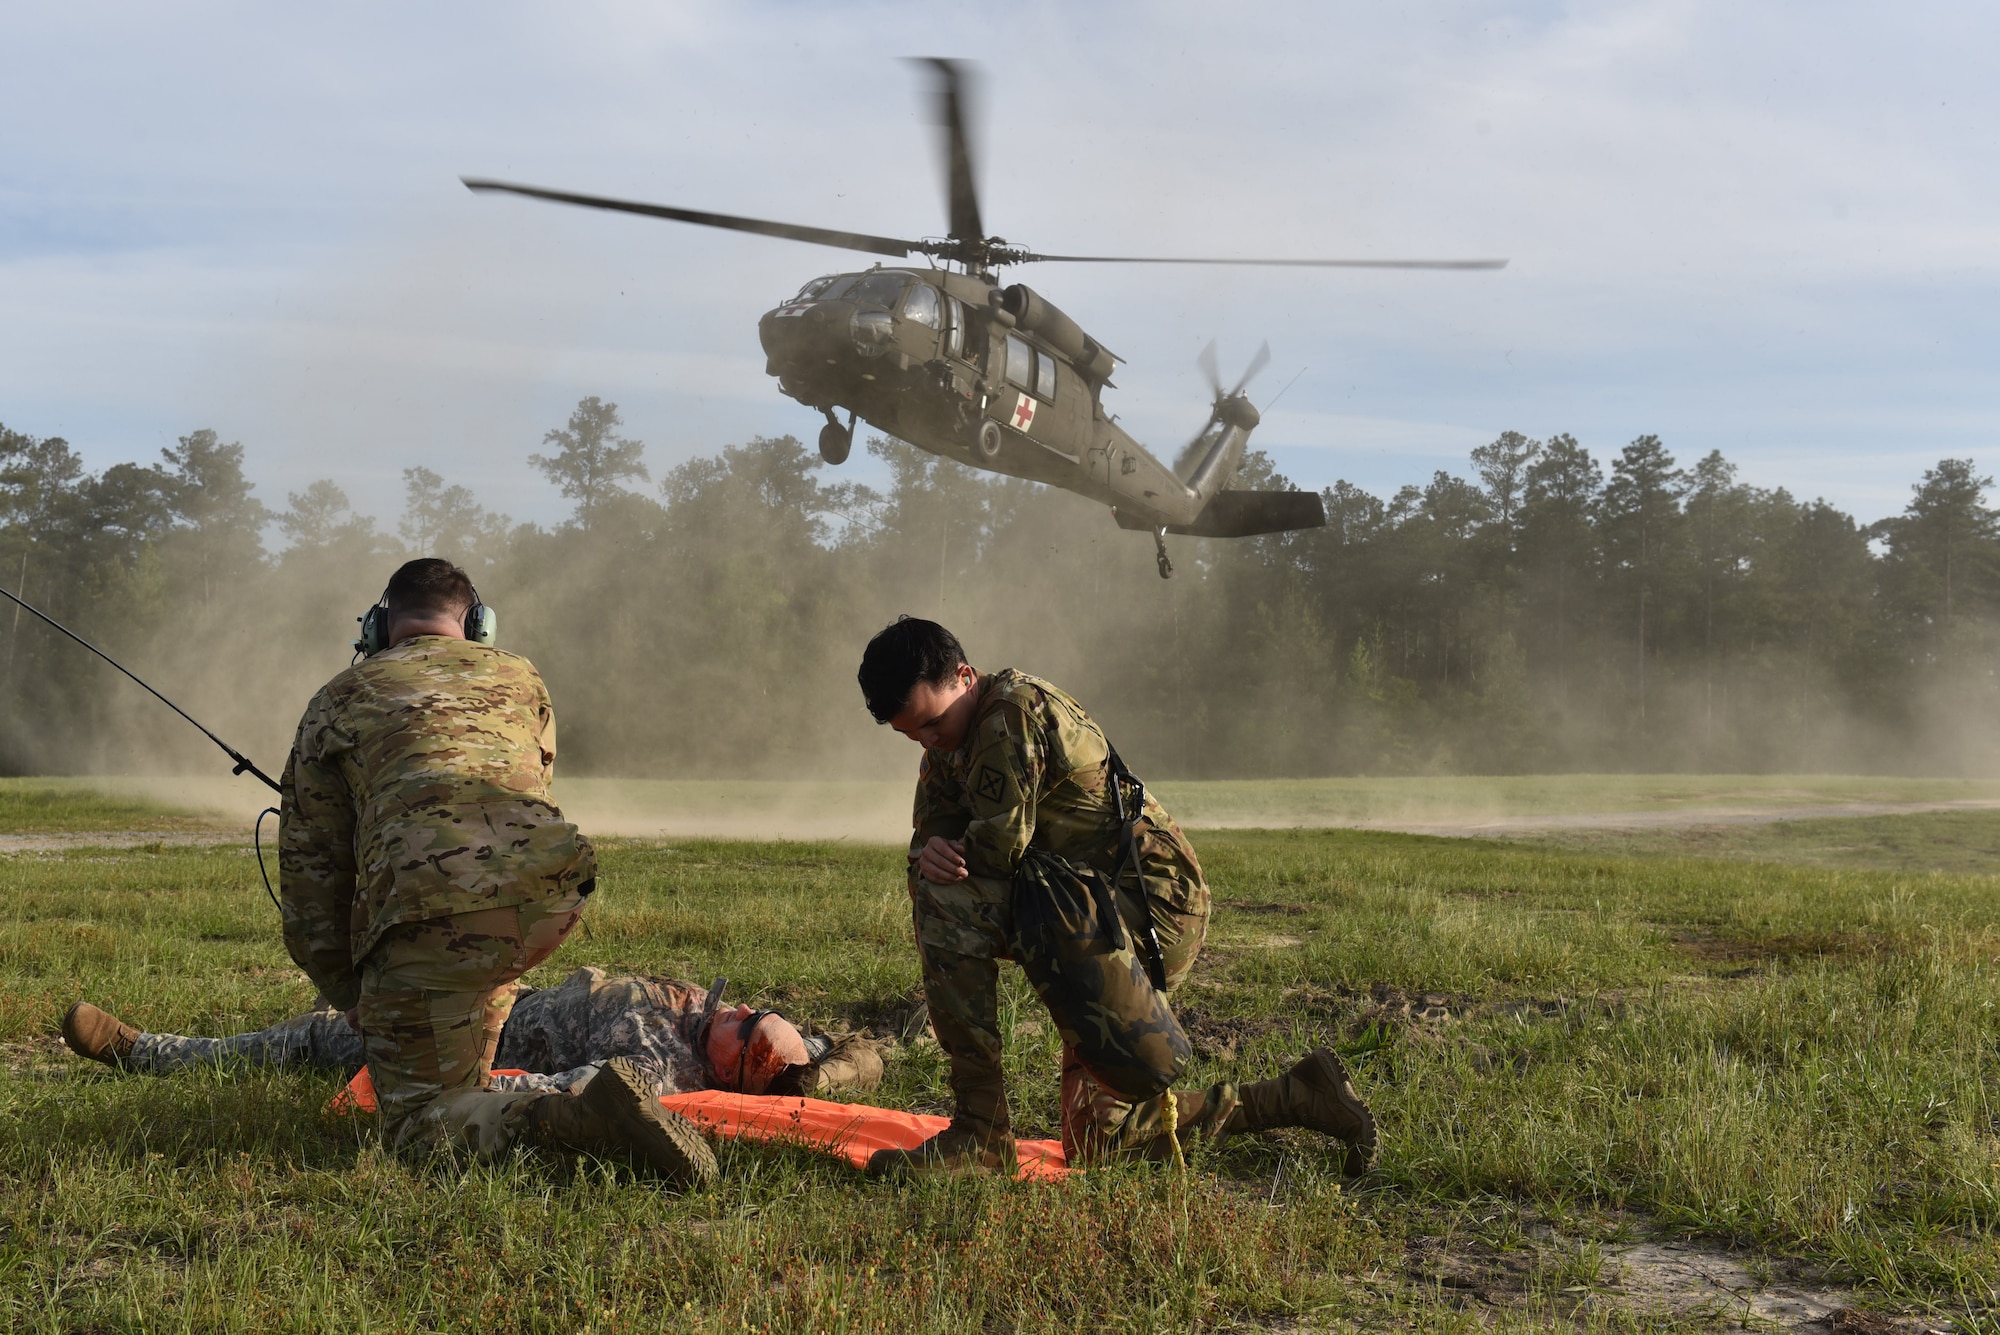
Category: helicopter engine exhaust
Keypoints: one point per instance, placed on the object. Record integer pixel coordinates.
(1036, 314)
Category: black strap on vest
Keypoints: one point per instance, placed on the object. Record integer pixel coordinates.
(1128, 855)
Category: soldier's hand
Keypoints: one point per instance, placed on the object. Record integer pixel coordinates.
(942, 861)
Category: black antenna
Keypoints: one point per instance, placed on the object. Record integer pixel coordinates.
(243, 763)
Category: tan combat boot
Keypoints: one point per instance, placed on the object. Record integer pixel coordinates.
(852, 1063)
(98, 1035)
(1315, 1094)
(955, 1151)
(617, 1113)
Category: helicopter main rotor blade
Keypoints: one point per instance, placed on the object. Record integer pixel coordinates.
(1211, 369)
(961, 193)
(1030, 257)
(818, 236)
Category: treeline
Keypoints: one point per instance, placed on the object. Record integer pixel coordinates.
(1549, 610)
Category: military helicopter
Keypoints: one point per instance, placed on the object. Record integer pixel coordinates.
(946, 358)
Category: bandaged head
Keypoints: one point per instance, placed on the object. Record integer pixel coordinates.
(755, 1052)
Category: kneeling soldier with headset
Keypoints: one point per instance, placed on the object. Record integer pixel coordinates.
(425, 868)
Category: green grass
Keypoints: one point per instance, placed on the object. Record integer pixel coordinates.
(1797, 1060)
(1951, 842)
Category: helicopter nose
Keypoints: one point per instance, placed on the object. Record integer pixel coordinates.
(818, 333)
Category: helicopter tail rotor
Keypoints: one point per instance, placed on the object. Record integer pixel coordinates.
(1257, 363)
(1228, 409)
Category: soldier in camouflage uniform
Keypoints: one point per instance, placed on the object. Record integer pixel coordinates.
(1011, 762)
(425, 868)
(560, 1035)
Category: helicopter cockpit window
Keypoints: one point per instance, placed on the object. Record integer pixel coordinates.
(1045, 377)
(1020, 363)
(883, 288)
(922, 306)
(816, 288)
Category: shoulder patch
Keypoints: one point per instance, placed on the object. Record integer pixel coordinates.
(991, 784)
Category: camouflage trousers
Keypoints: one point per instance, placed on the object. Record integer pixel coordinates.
(321, 1040)
(434, 997)
(317, 1040)
(962, 933)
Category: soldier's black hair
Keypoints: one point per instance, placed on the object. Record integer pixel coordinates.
(905, 652)
(429, 586)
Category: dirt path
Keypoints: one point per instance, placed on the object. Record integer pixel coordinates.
(63, 841)
(872, 826)
(1686, 817)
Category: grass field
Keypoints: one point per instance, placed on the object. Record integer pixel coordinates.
(1779, 1051)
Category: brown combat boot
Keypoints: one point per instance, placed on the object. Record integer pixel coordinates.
(98, 1035)
(1315, 1094)
(617, 1113)
(852, 1063)
(953, 1152)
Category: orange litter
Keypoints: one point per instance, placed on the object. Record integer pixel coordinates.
(853, 1131)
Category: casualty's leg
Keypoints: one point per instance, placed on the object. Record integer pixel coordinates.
(961, 933)
(317, 1040)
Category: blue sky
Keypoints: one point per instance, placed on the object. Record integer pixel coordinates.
(1768, 230)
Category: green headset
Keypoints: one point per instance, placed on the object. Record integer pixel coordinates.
(482, 625)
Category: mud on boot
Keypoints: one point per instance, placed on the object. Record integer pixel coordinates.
(952, 1152)
(1315, 1094)
(98, 1035)
(616, 1112)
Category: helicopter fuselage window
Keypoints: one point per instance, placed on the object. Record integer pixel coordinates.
(954, 329)
(1020, 363)
(1045, 377)
(922, 305)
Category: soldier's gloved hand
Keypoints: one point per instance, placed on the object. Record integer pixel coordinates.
(942, 861)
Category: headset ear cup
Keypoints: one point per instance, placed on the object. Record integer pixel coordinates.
(374, 631)
(482, 624)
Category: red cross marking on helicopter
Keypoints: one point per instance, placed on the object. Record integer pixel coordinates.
(1024, 413)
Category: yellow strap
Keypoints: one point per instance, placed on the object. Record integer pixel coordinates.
(1170, 1116)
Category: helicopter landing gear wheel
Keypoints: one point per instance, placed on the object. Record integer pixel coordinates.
(835, 441)
(1160, 553)
(987, 442)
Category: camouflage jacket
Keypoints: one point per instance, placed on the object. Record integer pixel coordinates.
(593, 1017)
(418, 788)
(1035, 770)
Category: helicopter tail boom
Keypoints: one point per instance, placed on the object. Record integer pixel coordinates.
(1244, 514)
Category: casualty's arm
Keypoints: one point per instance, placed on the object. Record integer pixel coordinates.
(316, 870)
(1003, 782)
